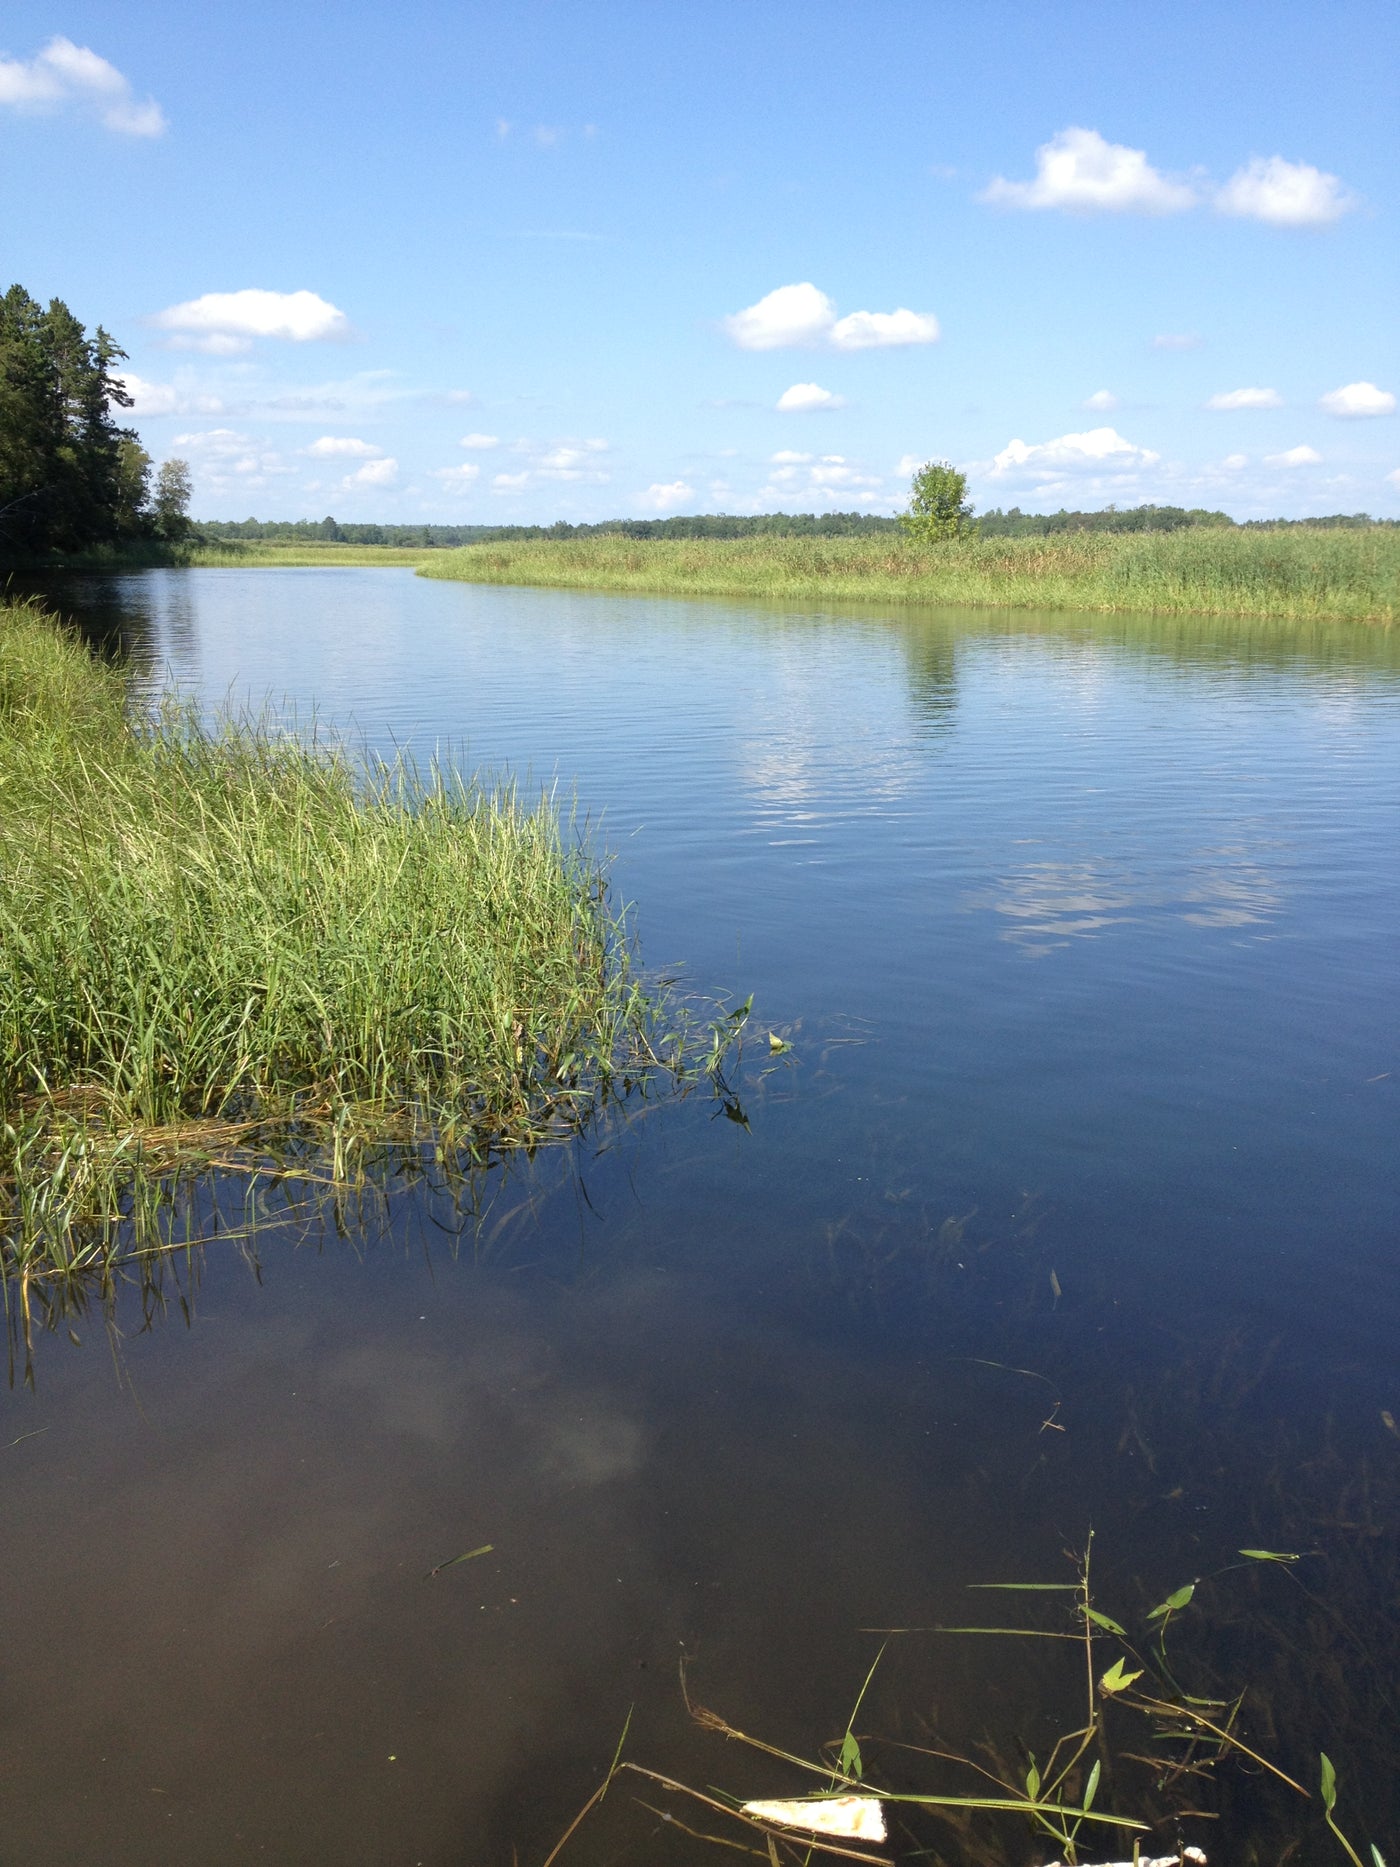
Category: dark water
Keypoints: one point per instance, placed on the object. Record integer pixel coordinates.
(1072, 1208)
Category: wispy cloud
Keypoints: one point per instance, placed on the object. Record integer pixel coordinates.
(801, 315)
(666, 497)
(480, 441)
(457, 478)
(1230, 399)
(1303, 456)
(1101, 402)
(805, 398)
(1177, 340)
(373, 473)
(1356, 399)
(64, 73)
(164, 398)
(336, 446)
(225, 323)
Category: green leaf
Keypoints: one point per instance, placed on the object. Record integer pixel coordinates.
(1058, 1588)
(1092, 1786)
(1106, 1622)
(1377, 1856)
(1116, 1680)
(468, 1556)
(1174, 1601)
(1268, 1555)
(1329, 1783)
(1032, 1781)
(850, 1756)
(776, 1045)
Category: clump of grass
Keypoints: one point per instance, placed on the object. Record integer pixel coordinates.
(214, 938)
(1299, 574)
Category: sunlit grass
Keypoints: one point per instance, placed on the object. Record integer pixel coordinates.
(1298, 574)
(210, 936)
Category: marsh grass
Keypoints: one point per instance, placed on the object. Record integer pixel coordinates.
(1299, 574)
(235, 949)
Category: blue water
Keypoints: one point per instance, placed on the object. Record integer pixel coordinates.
(1071, 1208)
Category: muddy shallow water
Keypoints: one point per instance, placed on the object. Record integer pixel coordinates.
(1072, 1207)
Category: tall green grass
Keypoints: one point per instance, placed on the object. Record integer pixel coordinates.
(1323, 575)
(213, 937)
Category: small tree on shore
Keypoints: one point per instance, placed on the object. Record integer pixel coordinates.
(938, 503)
(172, 500)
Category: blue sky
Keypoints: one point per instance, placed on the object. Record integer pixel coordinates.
(474, 263)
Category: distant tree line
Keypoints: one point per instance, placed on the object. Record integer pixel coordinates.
(702, 525)
(70, 476)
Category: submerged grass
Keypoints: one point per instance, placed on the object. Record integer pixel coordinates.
(232, 947)
(1298, 574)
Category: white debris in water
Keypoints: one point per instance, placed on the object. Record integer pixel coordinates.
(855, 1818)
(1189, 1857)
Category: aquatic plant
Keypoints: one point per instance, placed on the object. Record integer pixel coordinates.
(237, 948)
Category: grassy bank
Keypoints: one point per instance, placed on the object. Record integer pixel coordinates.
(225, 946)
(1298, 574)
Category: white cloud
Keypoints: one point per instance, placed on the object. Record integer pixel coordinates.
(1176, 340)
(225, 322)
(1079, 170)
(331, 445)
(225, 459)
(481, 440)
(573, 461)
(1356, 399)
(460, 397)
(1102, 401)
(664, 498)
(1235, 461)
(510, 482)
(373, 473)
(793, 314)
(163, 398)
(63, 72)
(1094, 451)
(910, 464)
(1295, 457)
(458, 477)
(804, 397)
(1285, 194)
(802, 315)
(870, 330)
(831, 478)
(1246, 398)
(1394, 476)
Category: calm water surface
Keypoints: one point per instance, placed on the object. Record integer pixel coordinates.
(1072, 1207)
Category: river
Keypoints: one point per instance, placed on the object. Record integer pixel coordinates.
(1071, 1208)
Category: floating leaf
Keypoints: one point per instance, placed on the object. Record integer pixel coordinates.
(1032, 1781)
(1173, 1601)
(1091, 1787)
(1105, 1621)
(467, 1556)
(1055, 1286)
(776, 1044)
(1268, 1555)
(1329, 1783)
(1116, 1680)
(1388, 1422)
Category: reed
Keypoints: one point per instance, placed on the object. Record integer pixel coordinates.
(213, 938)
(1298, 574)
